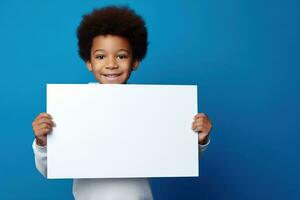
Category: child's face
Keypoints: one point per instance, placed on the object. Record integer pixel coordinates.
(111, 59)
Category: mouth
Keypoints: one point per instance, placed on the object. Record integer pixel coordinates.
(111, 77)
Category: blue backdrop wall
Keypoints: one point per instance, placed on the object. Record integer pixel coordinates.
(243, 55)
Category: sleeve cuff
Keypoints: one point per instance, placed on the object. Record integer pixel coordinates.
(203, 147)
(38, 148)
(206, 144)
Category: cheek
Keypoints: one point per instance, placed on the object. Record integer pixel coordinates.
(128, 72)
(97, 68)
(97, 74)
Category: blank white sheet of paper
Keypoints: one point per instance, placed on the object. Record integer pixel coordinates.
(118, 131)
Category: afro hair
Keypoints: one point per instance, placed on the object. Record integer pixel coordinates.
(113, 20)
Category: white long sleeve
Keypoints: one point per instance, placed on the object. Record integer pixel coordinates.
(203, 147)
(40, 157)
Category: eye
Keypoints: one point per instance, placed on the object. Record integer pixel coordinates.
(100, 57)
(122, 56)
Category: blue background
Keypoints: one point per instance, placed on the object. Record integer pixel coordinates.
(243, 55)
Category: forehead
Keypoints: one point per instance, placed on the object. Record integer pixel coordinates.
(110, 43)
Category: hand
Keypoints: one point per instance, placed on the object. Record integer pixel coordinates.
(202, 126)
(42, 125)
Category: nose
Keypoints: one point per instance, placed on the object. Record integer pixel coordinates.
(112, 64)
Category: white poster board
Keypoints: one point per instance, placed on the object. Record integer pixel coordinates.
(118, 131)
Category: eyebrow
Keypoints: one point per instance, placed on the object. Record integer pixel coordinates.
(104, 50)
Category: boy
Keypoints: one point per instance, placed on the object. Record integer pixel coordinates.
(112, 41)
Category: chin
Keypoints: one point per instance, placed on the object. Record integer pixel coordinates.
(111, 82)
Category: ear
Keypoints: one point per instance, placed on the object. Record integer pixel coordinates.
(89, 65)
(135, 65)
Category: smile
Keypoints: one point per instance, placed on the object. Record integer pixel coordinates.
(111, 76)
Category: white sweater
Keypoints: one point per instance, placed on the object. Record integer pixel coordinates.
(102, 189)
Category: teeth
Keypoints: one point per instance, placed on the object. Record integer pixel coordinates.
(112, 76)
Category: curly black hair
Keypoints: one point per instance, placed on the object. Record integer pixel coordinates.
(113, 20)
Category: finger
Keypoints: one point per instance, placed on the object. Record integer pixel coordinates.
(202, 129)
(193, 125)
(44, 115)
(206, 123)
(196, 124)
(40, 116)
(43, 131)
(40, 129)
(203, 120)
(199, 115)
(198, 128)
(44, 125)
(45, 121)
(198, 119)
(199, 123)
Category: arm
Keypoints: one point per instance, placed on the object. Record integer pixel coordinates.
(40, 157)
(42, 125)
(203, 147)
